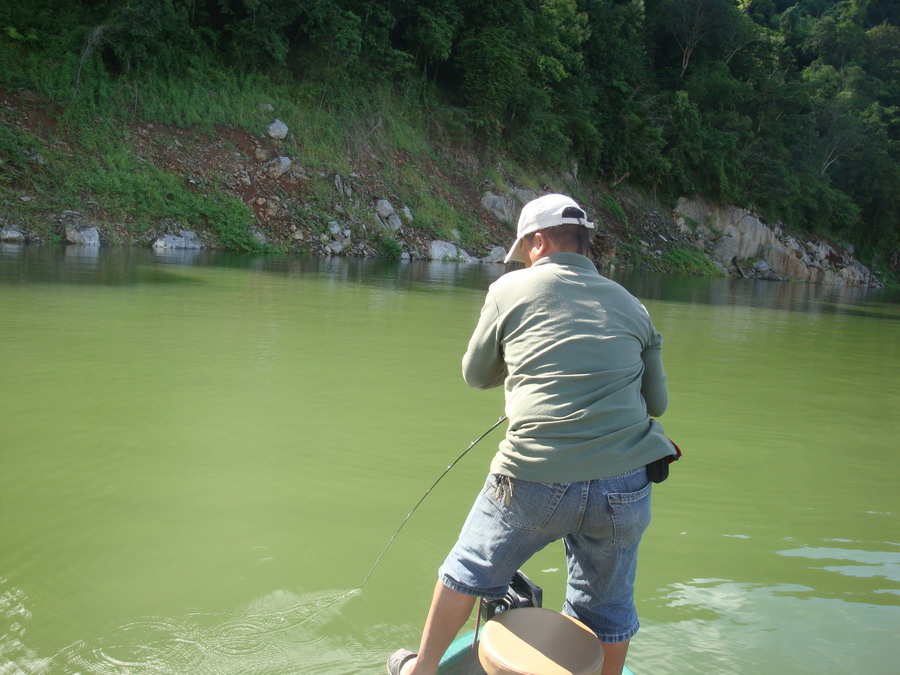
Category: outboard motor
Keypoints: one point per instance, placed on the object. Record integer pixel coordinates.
(523, 592)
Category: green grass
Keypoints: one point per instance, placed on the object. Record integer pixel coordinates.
(333, 128)
(433, 214)
(100, 172)
(691, 223)
(611, 205)
(105, 175)
(16, 152)
(387, 247)
(688, 260)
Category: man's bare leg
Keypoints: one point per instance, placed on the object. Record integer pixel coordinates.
(448, 613)
(614, 657)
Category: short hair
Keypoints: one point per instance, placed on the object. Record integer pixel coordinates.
(569, 237)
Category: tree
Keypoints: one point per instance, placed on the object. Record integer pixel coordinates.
(708, 29)
(515, 61)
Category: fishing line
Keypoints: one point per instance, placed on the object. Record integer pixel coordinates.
(409, 515)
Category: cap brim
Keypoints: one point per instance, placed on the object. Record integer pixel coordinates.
(515, 252)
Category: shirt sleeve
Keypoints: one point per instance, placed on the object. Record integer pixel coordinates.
(653, 383)
(483, 365)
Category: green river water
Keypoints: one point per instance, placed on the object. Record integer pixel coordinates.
(203, 457)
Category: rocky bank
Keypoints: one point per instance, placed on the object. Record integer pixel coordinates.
(742, 244)
(296, 208)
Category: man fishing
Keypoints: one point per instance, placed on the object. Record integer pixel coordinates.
(581, 365)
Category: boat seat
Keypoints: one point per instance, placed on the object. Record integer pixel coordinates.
(538, 641)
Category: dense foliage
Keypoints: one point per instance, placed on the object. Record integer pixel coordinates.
(792, 107)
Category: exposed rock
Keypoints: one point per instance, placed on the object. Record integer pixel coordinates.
(12, 236)
(386, 217)
(186, 239)
(761, 270)
(524, 196)
(82, 236)
(278, 130)
(343, 187)
(502, 206)
(338, 239)
(497, 254)
(786, 262)
(277, 166)
(505, 207)
(444, 250)
(739, 240)
(74, 228)
(266, 108)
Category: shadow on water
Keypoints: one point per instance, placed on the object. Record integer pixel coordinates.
(122, 266)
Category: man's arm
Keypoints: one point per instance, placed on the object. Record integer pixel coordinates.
(653, 383)
(483, 366)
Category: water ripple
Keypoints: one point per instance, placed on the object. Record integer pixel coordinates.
(275, 634)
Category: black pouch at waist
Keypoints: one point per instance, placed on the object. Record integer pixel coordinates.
(658, 471)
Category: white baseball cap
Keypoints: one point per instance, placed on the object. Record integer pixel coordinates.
(541, 213)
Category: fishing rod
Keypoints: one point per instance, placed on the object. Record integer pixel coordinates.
(409, 515)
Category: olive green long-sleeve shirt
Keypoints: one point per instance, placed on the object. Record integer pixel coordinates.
(581, 364)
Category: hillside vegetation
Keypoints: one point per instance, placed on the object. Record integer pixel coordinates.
(146, 114)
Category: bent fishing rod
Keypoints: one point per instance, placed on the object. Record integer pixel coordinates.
(427, 492)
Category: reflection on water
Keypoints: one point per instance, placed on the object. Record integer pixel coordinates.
(883, 564)
(797, 297)
(124, 266)
(177, 256)
(725, 626)
(119, 265)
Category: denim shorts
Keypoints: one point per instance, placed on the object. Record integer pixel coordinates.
(600, 522)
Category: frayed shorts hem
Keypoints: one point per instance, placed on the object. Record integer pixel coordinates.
(486, 593)
(619, 637)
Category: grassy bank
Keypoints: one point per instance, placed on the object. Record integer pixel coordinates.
(82, 145)
(139, 156)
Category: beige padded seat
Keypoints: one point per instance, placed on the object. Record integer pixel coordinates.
(538, 641)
